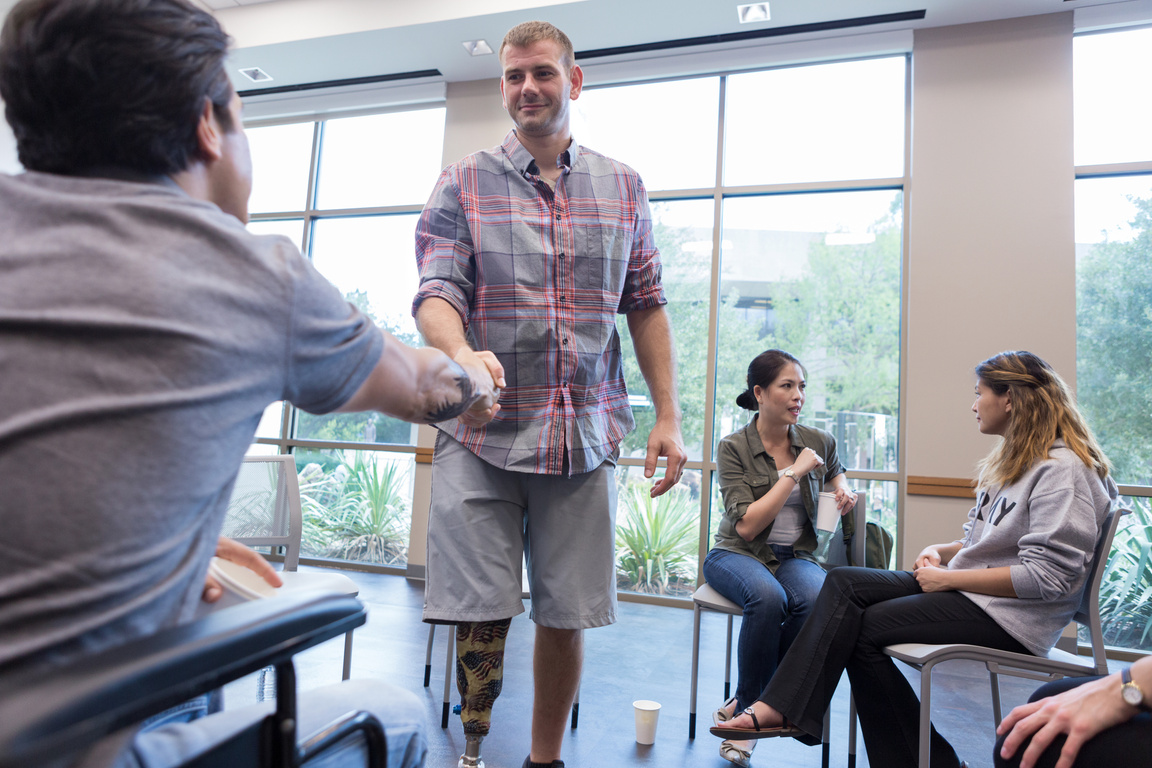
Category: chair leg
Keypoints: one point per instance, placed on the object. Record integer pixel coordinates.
(826, 738)
(428, 655)
(347, 655)
(448, 680)
(695, 671)
(728, 662)
(851, 731)
(576, 709)
(926, 716)
(995, 696)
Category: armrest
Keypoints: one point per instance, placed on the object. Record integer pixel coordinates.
(51, 712)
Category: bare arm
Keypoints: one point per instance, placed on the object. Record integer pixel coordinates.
(441, 327)
(984, 581)
(652, 338)
(1079, 713)
(417, 385)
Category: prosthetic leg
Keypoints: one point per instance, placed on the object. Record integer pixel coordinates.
(479, 678)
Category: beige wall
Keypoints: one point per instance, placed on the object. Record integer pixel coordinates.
(990, 229)
(475, 118)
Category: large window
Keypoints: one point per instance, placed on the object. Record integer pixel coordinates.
(1114, 301)
(342, 191)
(796, 243)
(777, 207)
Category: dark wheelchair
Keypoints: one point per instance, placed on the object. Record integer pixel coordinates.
(45, 717)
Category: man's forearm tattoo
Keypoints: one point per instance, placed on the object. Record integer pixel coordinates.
(450, 410)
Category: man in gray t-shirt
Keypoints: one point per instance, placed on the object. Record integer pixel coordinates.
(143, 331)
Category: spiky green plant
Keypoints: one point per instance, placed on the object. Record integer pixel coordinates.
(655, 539)
(1126, 587)
(359, 512)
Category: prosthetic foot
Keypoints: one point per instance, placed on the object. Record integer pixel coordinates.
(471, 757)
(479, 678)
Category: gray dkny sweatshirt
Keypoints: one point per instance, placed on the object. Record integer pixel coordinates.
(1044, 527)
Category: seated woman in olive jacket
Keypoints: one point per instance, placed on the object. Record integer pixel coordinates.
(771, 473)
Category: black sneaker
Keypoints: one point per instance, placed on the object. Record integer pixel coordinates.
(554, 764)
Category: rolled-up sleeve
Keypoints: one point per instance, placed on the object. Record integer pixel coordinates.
(736, 493)
(445, 255)
(1061, 538)
(643, 286)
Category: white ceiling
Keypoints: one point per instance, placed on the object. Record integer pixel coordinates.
(302, 41)
(307, 41)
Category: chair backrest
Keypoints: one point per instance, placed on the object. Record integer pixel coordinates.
(265, 506)
(1089, 612)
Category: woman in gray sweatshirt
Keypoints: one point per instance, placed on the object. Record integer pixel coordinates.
(1012, 581)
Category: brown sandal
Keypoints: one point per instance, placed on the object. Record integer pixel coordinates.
(755, 732)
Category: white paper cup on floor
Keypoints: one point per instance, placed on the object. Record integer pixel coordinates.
(647, 713)
(826, 512)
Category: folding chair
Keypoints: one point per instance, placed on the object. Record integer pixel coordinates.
(264, 511)
(1057, 664)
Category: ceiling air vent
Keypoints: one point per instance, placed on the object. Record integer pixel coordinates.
(256, 75)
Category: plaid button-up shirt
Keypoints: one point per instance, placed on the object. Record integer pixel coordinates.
(538, 276)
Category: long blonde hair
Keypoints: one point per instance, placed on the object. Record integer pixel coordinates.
(1043, 409)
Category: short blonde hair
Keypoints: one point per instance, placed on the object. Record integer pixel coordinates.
(524, 35)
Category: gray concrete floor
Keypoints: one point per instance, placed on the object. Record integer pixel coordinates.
(647, 654)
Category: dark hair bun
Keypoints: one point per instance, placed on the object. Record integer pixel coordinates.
(747, 400)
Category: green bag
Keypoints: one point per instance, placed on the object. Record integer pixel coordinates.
(878, 544)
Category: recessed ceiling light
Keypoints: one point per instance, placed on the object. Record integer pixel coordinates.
(753, 12)
(256, 75)
(477, 47)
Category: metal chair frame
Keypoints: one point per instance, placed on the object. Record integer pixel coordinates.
(288, 515)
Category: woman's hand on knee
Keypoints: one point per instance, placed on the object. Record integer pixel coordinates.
(933, 578)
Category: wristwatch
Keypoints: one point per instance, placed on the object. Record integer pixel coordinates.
(789, 473)
(1132, 693)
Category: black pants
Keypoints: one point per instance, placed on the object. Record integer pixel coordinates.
(1127, 744)
(858, 613)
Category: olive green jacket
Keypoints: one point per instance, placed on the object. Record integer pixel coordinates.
(747, 472)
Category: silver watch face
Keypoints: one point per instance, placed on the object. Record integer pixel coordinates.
(1132, 695)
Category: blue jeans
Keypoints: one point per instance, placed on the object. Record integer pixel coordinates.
(775, 607)
(401, 712)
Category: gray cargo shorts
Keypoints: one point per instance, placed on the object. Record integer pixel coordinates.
(486, 520)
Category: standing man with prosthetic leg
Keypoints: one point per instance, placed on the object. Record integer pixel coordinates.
(527, 252)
